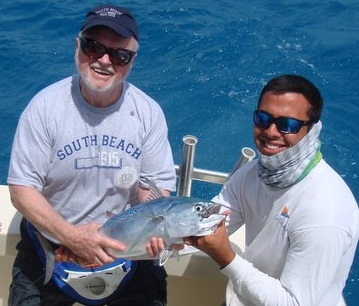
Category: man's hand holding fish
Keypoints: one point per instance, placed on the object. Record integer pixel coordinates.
(216, 245)
(156, 245)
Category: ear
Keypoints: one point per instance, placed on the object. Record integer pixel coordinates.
(77, 42)
(133, 60)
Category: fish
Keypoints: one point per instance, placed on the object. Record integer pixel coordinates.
(170, 218)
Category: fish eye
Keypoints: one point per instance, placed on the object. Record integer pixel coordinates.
(198, 208)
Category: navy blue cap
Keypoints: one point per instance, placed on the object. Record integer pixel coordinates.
(116, 18)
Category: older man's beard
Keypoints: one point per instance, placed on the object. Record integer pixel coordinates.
(86, 79)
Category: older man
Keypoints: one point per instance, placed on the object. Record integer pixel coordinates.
(80, 149)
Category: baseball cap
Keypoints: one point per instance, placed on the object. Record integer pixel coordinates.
(116, 18)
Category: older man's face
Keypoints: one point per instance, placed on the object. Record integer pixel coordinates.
(101, 74)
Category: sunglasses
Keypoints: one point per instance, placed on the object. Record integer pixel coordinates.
(95, 50)
(284, 125)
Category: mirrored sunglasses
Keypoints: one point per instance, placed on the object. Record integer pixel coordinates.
(284, 125)
(95, 50)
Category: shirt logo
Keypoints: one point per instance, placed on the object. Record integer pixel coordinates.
(285, 212)
(283, 218)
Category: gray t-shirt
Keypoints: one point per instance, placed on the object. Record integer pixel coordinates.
(87, 160)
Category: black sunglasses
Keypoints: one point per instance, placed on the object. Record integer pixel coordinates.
(95, 50)
(284, 125)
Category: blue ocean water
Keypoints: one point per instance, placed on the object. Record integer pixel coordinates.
(205, 62)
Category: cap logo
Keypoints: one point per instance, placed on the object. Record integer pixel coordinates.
(116, 18)
(110, 12)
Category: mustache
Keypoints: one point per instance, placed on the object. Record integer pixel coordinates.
(105, 69)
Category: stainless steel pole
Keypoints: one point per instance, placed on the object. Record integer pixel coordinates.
(186, 167)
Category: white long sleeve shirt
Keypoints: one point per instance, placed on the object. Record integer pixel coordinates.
(300, 241)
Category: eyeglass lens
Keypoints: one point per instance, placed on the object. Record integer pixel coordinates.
(96, 50)
(284, 124)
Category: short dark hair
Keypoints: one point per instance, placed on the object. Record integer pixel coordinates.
(297, 84)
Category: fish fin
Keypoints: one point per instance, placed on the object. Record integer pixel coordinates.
(110, 214)
(156, 193)
(50, 257)
(157, 219)
(164, 255)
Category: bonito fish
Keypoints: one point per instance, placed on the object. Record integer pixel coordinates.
(170, 218)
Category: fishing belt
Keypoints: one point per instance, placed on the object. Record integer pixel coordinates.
(89, 286)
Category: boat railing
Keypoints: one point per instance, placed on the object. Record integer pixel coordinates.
(186, 171)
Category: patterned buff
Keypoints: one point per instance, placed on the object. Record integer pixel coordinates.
(289, 167)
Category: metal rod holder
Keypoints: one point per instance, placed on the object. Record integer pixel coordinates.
(186, 167)
(186, 172)
(247, 154)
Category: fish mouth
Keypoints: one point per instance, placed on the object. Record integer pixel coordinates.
(213, 210)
